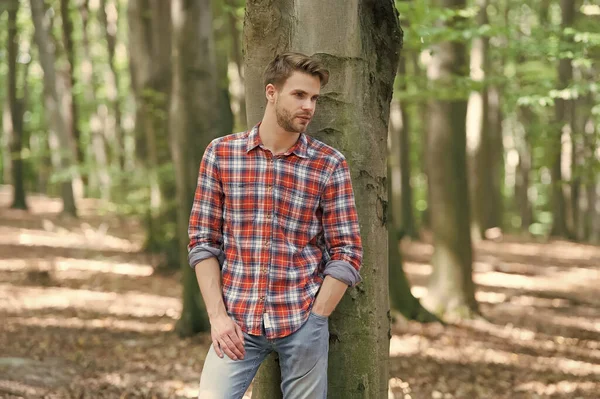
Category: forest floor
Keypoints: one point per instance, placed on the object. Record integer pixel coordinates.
(85, 316)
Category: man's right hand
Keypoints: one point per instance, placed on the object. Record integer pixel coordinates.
(227, 337)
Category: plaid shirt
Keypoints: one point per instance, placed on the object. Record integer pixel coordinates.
(277, 224)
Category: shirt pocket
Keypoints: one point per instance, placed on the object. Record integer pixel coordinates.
(241, 201)
(297, 215)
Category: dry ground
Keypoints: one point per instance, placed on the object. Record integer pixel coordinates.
(84, 316)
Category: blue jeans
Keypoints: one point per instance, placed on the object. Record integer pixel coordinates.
(302, 358)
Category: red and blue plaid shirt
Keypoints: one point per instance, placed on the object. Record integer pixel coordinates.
(277, 224)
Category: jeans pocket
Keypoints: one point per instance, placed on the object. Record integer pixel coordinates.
(318, 316)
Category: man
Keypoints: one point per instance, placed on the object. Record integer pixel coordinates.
(274, 240)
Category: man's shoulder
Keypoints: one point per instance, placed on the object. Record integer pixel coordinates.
(233, 139)
(320, 149)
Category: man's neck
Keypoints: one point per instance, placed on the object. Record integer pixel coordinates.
(274, 138)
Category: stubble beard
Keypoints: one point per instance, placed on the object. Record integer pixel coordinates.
(286, 120)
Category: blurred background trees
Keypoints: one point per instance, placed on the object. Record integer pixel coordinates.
(494, 122)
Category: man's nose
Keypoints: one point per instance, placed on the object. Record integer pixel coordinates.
(308, 105)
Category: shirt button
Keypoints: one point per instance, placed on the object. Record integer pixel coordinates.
(262, 298)
(269, 217)
(270, 189)
(265, 270)
(266, 243)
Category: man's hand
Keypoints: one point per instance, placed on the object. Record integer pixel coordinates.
(227, 337)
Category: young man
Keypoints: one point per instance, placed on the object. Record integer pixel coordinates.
(274, 240)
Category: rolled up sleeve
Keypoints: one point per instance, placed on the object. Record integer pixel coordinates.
(341, 228)
(205, 228)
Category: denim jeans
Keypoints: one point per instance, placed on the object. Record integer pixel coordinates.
(302, 358)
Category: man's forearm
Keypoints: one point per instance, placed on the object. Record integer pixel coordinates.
(208, 274)
(329, 296)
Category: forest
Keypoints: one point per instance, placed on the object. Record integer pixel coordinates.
(472, 133)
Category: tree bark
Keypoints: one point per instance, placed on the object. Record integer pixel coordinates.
(565, 75)
(16, 109)
(478, 135)
(352, 116)
(192, 125)
(451, 292)
(52, 104)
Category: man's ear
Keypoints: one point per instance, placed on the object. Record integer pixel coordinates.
(270, 91)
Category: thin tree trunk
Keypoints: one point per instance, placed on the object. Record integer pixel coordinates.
(97, 138)
(71, 116)
(149, 24)
(478, 140)
(401, 298)
(110, 31)
(524, 166)
(236, 49)
(354, 119)
(400, 170)
(565, 75)
(451, 292)
(192, 125)
(14, 122)
(51, 100)
(494, 124)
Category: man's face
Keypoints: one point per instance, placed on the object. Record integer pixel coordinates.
(296, 101)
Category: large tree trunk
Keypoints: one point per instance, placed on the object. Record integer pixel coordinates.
(192, 125)
(565, 75)
(478, 136)
(14, 122)
(451, 289)
(353, 117)
(52, 104)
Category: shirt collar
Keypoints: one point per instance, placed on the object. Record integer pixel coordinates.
(300, 148)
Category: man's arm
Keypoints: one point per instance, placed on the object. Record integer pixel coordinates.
(206, 256)
(226, 334)
(342, 239)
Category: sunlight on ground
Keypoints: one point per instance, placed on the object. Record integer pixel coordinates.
(561, 387)
(64, 239)
(107, 323)
(479, 352)
(76, 268)
(18, 299)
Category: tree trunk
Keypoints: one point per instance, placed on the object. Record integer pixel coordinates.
(451, 292)
(523, 168)
(52, 104)
(97, 138)
(399, 158)
(478, 136)
(494, 124)
(149, 24)
(192, 125)
(565, 75)
(352, 116)
(71, 116)
(110, 26)
(401, 298)
(14, 122)
(237, 84)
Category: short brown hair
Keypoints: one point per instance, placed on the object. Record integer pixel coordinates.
(283, 65)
